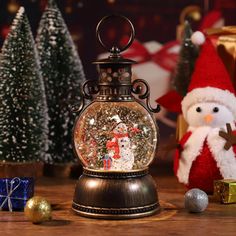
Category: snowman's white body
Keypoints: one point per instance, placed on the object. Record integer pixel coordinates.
(206, 153)
(126, 156)
(205, 120)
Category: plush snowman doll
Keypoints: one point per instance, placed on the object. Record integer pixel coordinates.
(207, 151)
(120, 148)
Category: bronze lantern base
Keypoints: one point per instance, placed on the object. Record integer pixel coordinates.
(115, 195)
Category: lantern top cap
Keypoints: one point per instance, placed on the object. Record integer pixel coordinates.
(115, 56)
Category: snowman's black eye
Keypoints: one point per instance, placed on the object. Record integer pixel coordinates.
(215, 109)
(198, 109)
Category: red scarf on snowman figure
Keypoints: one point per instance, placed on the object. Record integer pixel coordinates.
(114, 144)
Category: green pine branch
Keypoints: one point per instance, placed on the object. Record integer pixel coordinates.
(187, 57)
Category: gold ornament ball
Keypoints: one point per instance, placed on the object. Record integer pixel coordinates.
(38, 210)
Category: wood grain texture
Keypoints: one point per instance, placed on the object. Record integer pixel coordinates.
(173, 220)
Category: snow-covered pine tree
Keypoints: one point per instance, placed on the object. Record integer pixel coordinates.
(23, 110)
(63, 75)
(187, 57)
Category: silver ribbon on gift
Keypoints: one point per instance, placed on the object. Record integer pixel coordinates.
(10, 191)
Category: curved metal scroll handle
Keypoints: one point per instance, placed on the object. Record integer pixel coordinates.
(141, 88)
(115, 49)
(90, 87)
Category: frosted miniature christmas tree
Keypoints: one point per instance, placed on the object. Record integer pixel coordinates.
(63, 75)
(23, 111)
(187, 58)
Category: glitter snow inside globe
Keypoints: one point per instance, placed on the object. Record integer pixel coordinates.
(115, 137)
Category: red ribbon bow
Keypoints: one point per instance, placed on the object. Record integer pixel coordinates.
(162, 57)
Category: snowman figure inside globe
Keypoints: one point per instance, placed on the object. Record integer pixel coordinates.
(207, 151)
(119, 148)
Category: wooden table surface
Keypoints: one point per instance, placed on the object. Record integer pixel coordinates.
(173, 220)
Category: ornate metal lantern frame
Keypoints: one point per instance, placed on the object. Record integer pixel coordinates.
(114, 194)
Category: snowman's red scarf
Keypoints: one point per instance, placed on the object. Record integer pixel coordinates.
(225, 160)
(120, 135)
(114, 144)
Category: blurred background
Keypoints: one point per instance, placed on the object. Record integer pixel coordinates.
(153, 19)
(158, 32)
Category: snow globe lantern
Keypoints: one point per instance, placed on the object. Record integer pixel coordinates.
(115, 137)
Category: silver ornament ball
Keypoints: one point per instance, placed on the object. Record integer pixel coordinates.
(196, 200)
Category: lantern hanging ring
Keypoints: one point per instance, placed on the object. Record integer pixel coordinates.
(115, 49)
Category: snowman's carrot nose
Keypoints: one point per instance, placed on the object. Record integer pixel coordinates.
(208, 118)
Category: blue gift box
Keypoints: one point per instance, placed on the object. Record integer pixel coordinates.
(107, 162)
(14, 193)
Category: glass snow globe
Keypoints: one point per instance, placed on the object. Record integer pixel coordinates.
(115, 137)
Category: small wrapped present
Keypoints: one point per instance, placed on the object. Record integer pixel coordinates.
(225, 190)
(14, 193)
(107, 162)
(181, 127)
(225, 41)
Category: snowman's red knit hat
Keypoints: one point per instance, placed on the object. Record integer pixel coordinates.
(210, 81)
